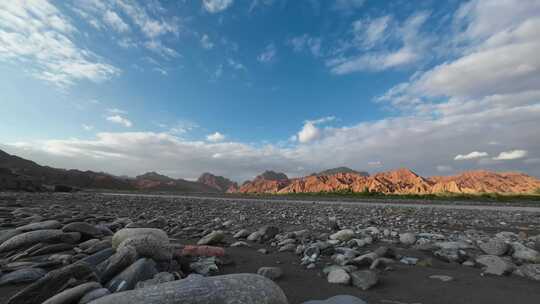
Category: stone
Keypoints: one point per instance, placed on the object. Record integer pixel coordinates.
(72, 295)
(123, 234)
(254, 237)
(30, 238)
(364, 279)
(451, 255)
(94, 295)
(51, 224)
(25, 275)
(338, 276)
(233, 288)
(83, 228)
(98, 246)
(123, 257)
(159, 278)
(531, 271)
(443, 278)
(52, 283)
(287, 248)
(268, 232)
(240, 244)
(98, 257)
(205, 266)
(495, 265)
(343, 235)
(242, 234)
(53, 248)
(142, 269)
(409, 260)
(494, 246)
(524, 253)
(273, 273)
(339, 299)
(407, 238)
(213, 237)
(149, 246)
(7, 234)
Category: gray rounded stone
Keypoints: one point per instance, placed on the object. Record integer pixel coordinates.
(83, 228)
(51, 224)
(226, 289)
(74, 294)
(26, 275)
(212, 238)
(93, 295)
(407, 238)
(339, 299)
(338, 276)
(143, 269)
(343, 235)
(494, 246)
(123, 257)
(364, 279)
(30, 238)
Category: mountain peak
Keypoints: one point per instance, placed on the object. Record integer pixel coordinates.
(337, 170)
(272, 176)
(217, 182)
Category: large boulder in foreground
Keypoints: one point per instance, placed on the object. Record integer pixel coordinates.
(233, 288)
(148, 242)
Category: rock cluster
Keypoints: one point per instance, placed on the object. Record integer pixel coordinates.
(87, 248)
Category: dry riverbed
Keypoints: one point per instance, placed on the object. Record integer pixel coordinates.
(378, 252)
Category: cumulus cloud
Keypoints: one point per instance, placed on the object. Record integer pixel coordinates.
(510, 155)
(117, 119)
(472, 155)
(215, 137)
(368, 49)
(87, 127)
(216, 6)
(37, 34)
(309, 133)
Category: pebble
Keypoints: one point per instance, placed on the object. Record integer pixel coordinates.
(273, 273)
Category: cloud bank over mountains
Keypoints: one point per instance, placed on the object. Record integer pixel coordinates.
(477, 108)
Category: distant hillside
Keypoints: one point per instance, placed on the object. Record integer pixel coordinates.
(341, 170)
(219, 183)
(152, 181)
(401, 181)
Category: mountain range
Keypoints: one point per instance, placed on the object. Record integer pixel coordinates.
(401, 181)
(20, 174)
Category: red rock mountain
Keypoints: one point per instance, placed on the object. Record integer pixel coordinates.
(219, 183)
(401, 181)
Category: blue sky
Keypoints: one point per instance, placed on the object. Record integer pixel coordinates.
(236, 86)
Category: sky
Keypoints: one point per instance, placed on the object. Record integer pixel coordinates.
(236, 87)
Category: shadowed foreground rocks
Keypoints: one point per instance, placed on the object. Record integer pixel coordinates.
(195, 289)
(91, 248)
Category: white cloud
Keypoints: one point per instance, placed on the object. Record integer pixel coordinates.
(371, 40)
(216, 6)
(309, 133)
(120, 120)
(38, 35)
(115, 22)
(510, 155)
(87, 127)
(322, 120)
(206, 43)
(472, 155)
(268, 54)
(300, 43)
(235, 64)
(215, 137)
(116, 111)
(159, 48)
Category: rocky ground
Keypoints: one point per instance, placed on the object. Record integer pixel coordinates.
(93, 248)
